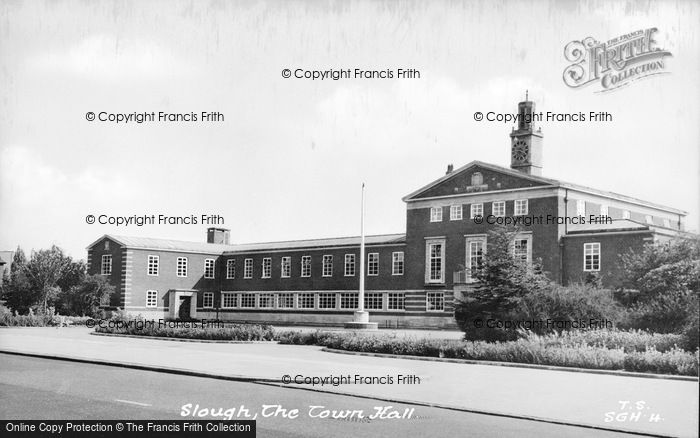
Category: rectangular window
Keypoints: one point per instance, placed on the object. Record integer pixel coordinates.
(476, 247)
(476, 210)
(248, 268)
(267, 267)
(231, 268)
(604, 210)
(208, 300)
(286, 268)
(209, 268)
(349, 265)
(522, 248)
(106, 265)
(266, 301)
(397, 263)
(434, 263)
(285, 301)
(374, 301)
(248, 301)
(327, 265)
(580, 208)
(182, 266)
(152, 298)
(306, 266)
(498, 208)
(626, 214)
(396, 301)
(455, 212)
(520, 207)
(326, 301)
(373, 263)
(667, 223)
(435, 214)
(435, 301)
(153, 265)
(306, 301)
(649, 219)
(349, 300)
(591, 256)
(229, 300)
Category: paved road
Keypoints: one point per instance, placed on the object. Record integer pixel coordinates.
(670, 407)
(45, 389)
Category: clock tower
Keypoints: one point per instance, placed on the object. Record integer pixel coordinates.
(525, 142)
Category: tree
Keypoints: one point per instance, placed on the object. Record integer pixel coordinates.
(85, 298)
(45, 269)
(17, 291)
(665, 278)
(501, 283)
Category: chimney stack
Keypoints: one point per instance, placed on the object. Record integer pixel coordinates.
(218, 235)
(450, 169)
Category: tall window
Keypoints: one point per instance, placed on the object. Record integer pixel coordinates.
(435, 256)
(604, 210)
(396, 301)
(106, 268)
(152, 298)
(520, 207)
(153, 264)
(374, 300)
(349, 300)
(477, 210)
(435, 301)
(580, 208)
(373, 263)
(349, 265)
(266, 301)
(435, 214)
(522, 248)
(626, 214)
(231, 268)
(208, 300)
(229, 300)
(248, 268)
(476, 247)
(286, 268)
(247, 301)
(182, 266)
(327, 265)
(667, 223)
(455, 212)
(591, 256)
(209, 268)
(648, 219)
(326, 301)
(397, 263)
(267, 267)
(285, 301)
(306, 301)
(306, 266)
(498, 208)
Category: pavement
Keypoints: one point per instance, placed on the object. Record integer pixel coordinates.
(49, 389)
(660, 407)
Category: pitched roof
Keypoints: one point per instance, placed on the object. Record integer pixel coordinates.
(211, 248)
(541, 179)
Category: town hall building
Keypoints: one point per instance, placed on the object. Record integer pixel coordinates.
(412, 278)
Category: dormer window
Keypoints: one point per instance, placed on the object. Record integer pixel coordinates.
(477, 179)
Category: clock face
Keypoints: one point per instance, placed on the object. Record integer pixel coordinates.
(521, 151)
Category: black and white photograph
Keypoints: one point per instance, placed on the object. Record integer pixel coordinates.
(371, 218)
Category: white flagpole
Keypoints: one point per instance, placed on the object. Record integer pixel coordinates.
(361, 297)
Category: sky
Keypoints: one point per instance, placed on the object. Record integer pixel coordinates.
(289, 159)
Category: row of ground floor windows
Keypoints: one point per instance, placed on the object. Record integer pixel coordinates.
(386, 301)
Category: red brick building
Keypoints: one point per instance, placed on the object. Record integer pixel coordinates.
(411, 278)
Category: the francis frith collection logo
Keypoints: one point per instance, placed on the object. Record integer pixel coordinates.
(614, 63)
